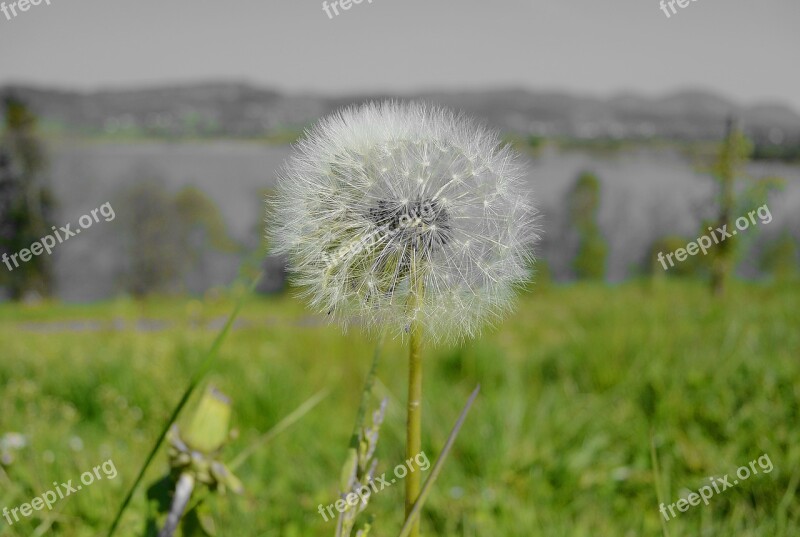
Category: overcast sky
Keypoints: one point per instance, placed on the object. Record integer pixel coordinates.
(744, 49)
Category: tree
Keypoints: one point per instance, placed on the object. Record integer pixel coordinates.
(152, 256)
(584, 204)
(26, 202)
(731, 164)
(168, 237)
(201, 231)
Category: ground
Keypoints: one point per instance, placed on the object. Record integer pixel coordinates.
(577, 388)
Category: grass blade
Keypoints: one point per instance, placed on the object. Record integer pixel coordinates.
(278, 428)
(437, 468)
(657, 480)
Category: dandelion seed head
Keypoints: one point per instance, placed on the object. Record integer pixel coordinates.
(376, 193)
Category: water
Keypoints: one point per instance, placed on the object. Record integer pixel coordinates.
(646, 194)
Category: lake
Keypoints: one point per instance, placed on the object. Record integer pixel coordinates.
(647, 193)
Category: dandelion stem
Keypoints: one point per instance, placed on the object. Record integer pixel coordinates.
(414, 423)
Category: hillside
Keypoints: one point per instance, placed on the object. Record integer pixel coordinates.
(242, 110)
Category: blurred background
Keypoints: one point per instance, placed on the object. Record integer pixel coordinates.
(640, 131)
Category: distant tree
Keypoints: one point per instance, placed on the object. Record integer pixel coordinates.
(26, 202)
(731, 164)
(168, 236)
(152, 243)
(201, 232)
(584, 205)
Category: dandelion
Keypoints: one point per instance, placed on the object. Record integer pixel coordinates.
(386, 199)
(407, 218)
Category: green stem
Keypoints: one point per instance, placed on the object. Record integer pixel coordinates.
(414, 423)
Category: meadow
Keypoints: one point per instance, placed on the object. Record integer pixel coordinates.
(575, 389)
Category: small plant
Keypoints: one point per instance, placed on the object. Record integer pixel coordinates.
(195, 459)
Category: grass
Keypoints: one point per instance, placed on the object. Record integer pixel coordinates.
(557, 444)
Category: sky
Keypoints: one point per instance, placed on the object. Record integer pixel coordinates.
(742, 49)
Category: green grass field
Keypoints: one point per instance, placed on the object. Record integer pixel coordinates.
(574, 387)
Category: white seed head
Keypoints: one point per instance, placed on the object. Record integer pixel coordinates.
(375, 194)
